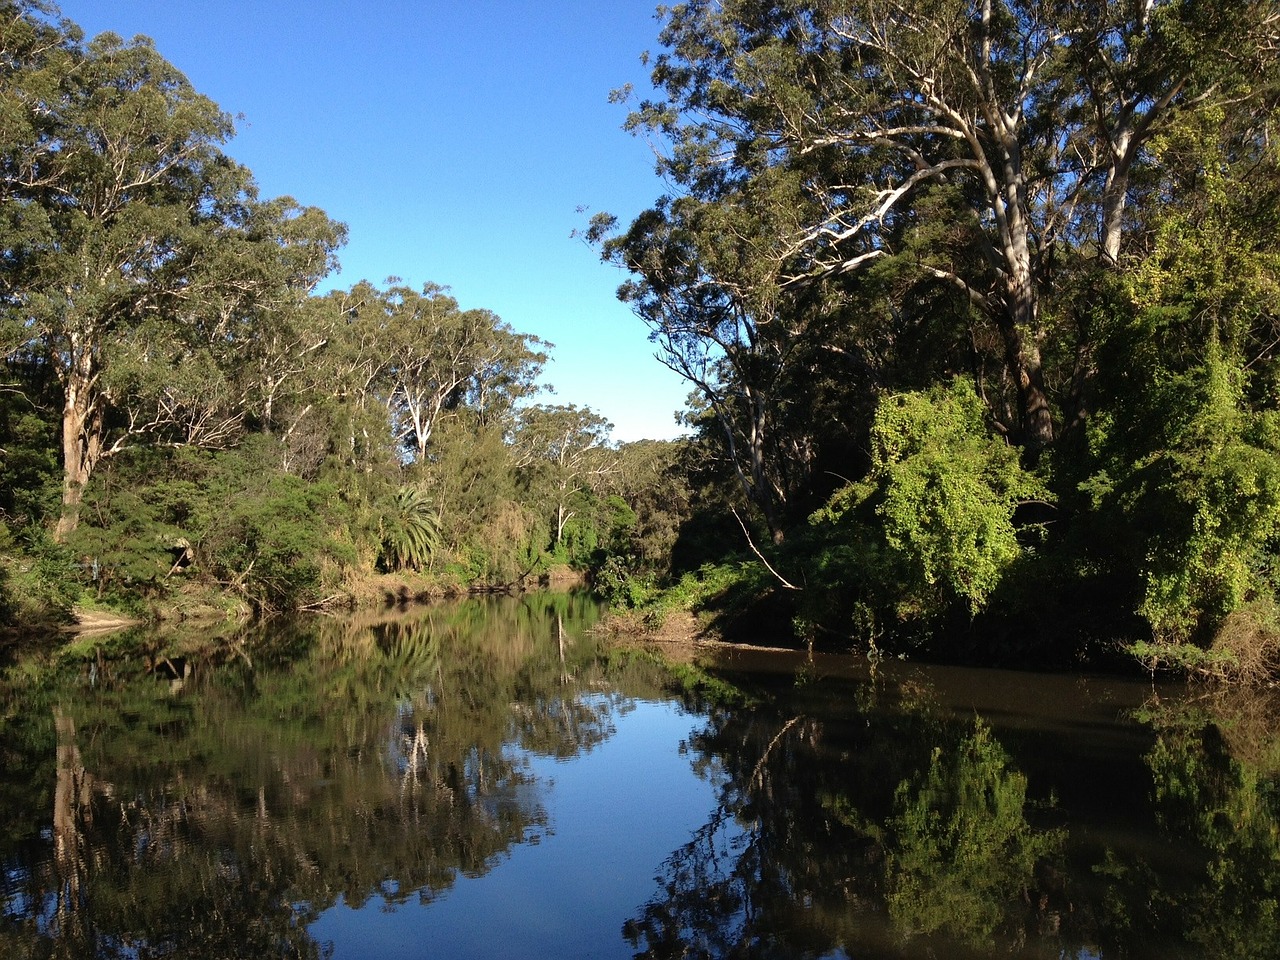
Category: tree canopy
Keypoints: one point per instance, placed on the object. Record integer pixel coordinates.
(182, 389)
(1067, 205)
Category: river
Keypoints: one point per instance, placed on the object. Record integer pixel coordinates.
(485, 778)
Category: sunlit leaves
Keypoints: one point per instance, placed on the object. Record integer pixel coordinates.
(1187, 452)
(949, 490)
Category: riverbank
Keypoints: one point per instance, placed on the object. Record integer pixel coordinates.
(203, 603)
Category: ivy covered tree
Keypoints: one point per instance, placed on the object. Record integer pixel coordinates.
(1185, 465)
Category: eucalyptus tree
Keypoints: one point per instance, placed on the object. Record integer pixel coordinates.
(262, 302)
(431, 357)
(565, 451)
(980, 147)
(709, 286)
(138, 253)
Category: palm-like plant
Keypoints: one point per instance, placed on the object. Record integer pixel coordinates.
(410, 531)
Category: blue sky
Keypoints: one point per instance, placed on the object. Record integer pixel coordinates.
(457, 142)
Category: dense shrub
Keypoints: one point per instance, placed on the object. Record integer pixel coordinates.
(930, 531)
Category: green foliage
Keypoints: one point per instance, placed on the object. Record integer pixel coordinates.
(486, 533)
(930, 529)
(411, 531)
(615, 582)
(273, 539)
(654, 493)
(1185, 477)
(1184, 658)
(963, 854)
(128, 547)
(39, 580)
(948, 490)
(276, 539)
(29, 469)
(733, 598)
(1245, 648)
(1216, 483)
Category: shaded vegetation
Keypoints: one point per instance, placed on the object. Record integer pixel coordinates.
(977, 301)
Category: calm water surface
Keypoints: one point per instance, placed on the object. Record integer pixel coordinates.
(481, 779)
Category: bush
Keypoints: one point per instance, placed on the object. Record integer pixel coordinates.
(272, 542)
(38, 580)
(1245, 648)
(931, 529)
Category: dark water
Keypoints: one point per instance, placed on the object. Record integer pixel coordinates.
(480, 780)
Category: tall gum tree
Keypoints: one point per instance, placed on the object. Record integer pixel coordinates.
(134, 241)
(1030, 115)
(431, 357)
(565, 449)
(707, 286)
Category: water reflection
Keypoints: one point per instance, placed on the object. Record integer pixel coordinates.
(275, 794)
(884, 817)
(210, 804)
(1216, 770)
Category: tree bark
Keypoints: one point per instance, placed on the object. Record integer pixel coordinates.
(81, 440)
(1019, 324)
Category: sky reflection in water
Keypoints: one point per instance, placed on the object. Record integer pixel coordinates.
(482, 779)
(614, 815)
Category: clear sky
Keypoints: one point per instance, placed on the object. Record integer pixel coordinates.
(457, 141)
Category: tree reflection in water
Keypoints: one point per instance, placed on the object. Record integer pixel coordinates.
(1216, 774)
(811, 852)
(962, 855)
(347, 759)
(213, 800)
(883, 824)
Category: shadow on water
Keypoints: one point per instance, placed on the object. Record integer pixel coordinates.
(178, 795)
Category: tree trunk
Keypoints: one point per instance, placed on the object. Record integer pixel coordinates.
(1037, 418)
(1116, 190)
(1023, 356)
(1020, 320)
(81, 444)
